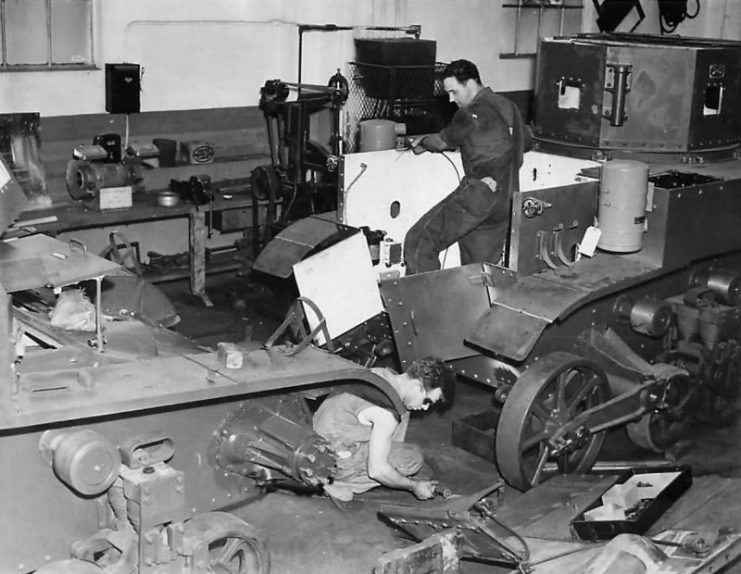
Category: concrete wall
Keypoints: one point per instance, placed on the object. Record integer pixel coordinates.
(195, 54)
(219, 53)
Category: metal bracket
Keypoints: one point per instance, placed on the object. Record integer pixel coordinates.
(617, 82)
(296, 317)
(558, 248)
(543, 249)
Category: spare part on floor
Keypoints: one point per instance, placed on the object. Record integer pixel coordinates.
(483, 537)
(130, 295)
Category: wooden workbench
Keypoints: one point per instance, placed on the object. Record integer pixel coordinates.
(78, 215)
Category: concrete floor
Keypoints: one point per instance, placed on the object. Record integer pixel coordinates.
(308, 534)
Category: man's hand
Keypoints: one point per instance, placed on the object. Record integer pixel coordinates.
(490, 183)
(417, 147)
(424, 489)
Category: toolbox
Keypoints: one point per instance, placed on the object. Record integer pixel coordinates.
(475, 433)
(633, 503)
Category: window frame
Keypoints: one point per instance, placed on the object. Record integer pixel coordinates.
(6, 66)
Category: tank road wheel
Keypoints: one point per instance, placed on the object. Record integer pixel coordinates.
(550, 393)
(69, 567)
(223, 544)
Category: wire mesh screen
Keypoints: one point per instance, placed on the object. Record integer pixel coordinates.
(413, 95)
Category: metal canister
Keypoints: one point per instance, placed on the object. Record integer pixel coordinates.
(376, 135)
(622, 205)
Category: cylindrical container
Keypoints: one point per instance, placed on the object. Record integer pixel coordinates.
(376, 135)
(622, 205)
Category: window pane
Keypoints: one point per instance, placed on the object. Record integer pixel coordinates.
(70, 31)
(25, 23)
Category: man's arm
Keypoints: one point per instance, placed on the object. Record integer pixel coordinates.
(432, 142)
(384, 424)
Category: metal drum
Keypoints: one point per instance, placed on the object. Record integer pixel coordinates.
(376, 135)
(622, 205)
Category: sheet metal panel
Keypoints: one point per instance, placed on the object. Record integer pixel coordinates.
(521, 312)
(295, 242)
(703, 221)
(78, 393)
(327, 277)
(569, 66)
(431, 312)
(570, 210)
(659, 103)
(717, 74)
(40, 260)
(507, 332)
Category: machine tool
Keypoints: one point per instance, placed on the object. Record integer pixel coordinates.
(102, 174)
(302, 176)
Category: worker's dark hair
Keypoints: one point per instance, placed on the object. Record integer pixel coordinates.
(434, 374)
(462, 70)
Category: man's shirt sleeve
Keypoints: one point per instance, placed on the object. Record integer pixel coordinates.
(458, 128)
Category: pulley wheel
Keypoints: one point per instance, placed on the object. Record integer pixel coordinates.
(549, 393)
(655, 432)
(221, 543)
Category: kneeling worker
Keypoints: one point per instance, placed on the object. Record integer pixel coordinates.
(369, 437)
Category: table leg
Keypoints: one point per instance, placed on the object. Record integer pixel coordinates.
(197, 232)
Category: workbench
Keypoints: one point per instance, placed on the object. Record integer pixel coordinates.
(78, 215)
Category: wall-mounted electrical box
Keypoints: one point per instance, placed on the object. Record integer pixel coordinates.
(122, 88)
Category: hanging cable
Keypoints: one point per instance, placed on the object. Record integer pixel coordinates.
(673, 12)
(457, 173)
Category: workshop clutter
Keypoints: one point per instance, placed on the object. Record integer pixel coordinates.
(106, 175)
(73, 311)
(633, 503)
(173, 152)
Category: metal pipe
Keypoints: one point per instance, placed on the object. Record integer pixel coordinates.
(48, 33)
(98, 314)
(612, 466)
(300, 56)
(561, 16)
(517, 26)
(4, 40)
(92, 34)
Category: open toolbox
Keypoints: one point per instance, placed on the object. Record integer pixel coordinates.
(633, 503)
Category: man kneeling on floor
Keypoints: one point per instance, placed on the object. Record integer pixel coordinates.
(368, 437)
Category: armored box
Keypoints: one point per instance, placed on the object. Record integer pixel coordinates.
(639, 93)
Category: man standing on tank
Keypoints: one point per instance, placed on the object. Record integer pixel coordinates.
(492, 138)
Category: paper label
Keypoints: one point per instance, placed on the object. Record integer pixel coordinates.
(589, 241)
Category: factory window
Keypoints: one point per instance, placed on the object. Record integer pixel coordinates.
(46, 34)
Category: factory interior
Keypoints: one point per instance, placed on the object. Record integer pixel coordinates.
(383, 286)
